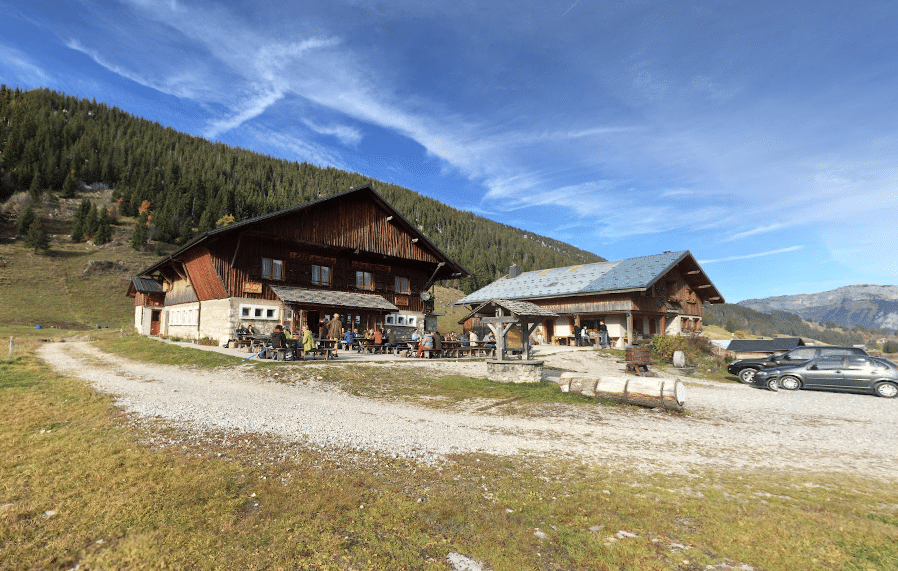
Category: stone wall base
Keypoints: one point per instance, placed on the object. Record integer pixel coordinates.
(515, 371)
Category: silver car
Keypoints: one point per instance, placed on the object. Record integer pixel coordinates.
(843, 373)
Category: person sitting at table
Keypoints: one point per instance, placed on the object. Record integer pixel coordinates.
(390, 340)
(250, 330)
(241, 332)
(287, 333)
(437, 341)
(348, 339)
(278, 339)
(490, 341)
(426, 344)
(416, 338)
(378, 338)
(472, 338)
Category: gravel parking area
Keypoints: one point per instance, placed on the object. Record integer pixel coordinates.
(726, 425)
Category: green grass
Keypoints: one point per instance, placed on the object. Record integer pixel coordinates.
(52, 290)
(83, 485)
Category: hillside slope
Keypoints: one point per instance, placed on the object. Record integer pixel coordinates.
(47, 138)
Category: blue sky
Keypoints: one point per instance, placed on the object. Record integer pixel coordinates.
(759, 135)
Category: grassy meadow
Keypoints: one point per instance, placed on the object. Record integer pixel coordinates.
(85, 486)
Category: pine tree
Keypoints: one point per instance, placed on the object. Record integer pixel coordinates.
(91, 221)
(37, 184)
(139, 236)
(26, 220)
(69, 186)
(37, 237)
(104, 229)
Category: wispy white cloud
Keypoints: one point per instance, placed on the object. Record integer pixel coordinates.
(344, 133)
(755, 255)
(755, 231)
(23, 66)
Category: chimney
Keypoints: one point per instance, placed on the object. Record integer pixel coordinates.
(514, 271)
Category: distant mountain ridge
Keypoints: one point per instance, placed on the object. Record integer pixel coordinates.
(871, 306)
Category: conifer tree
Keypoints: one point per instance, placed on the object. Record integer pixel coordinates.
(37, 184)
(139, 236)
(77, 227)
(70, 185)
(26, 220)
(91, 221)
(104, 228)
(37, 237)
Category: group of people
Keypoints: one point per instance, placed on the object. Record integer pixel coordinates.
(282, 337)
(384, 339)
(583, 335)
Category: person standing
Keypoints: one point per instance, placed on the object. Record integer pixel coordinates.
(308, 341)
(577, 338)
(335, 331)
(603, 333)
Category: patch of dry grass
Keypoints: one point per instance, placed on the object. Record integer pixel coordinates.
(83, 485)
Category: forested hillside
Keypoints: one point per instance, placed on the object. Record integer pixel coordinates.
(50, 142)
(735, 317)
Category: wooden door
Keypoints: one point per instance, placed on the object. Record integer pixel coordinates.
(155, 321)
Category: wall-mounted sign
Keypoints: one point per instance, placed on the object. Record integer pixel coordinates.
(401, 300)
(252, 287)
(321, 260)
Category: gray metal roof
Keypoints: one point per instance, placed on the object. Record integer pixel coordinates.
(334, 299)
(519, 308)
(144, 285)
(633, 274)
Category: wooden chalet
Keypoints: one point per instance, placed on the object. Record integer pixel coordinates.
(350, 253)
(638, 297)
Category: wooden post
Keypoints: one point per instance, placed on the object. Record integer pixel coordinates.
(630, 327)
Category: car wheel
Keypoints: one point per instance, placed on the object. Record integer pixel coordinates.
(790, 383)
(886, 390)
(773, 385)
(746, 376)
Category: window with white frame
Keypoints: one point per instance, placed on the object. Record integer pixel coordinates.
(182, 316)
(321, 275)
(258, 312)
(272, 269)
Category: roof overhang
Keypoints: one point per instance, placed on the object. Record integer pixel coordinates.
(333, 299)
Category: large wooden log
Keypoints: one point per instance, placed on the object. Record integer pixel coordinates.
(652, 392)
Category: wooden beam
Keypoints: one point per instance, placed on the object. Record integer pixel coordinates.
(503, 319)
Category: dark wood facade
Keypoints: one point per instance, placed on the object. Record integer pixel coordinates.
(352, 242)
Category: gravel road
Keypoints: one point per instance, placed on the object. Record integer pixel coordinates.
(727, 425)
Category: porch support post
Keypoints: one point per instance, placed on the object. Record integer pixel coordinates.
(630, 327)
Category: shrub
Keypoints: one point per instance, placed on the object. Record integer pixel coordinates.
(693, 346)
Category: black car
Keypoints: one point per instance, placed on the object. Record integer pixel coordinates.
(842, 373)
(745, 369)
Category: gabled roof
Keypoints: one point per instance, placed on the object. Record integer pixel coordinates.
(633, 274)
(243, 224)
(519, 308)
(764, 345)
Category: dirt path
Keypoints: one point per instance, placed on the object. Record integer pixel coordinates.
(728, 425)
